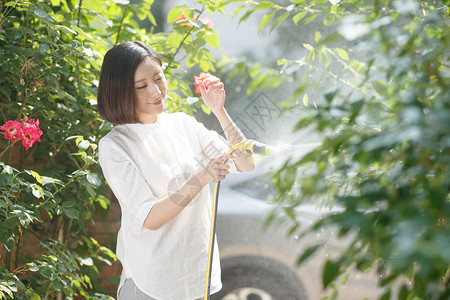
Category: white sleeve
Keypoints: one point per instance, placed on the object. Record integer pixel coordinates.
(212, 143)
(126, 181)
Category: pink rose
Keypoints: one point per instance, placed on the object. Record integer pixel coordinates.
(208, 22)
(13, 130)
(31, 132)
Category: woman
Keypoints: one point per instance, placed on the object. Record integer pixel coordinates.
(159, 165)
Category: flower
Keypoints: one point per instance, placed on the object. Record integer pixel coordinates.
(185, 22)
(208, 22)
(28, 130)
(13, 130)
(31, 123)
(200, 78)
(31, 132)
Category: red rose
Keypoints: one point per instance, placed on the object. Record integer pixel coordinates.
(201, 78)
(185, 22)
(31, 132)
(13, 130)
(28, 130)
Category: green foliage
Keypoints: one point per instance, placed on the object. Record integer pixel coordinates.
(379, 75)
(51, 55)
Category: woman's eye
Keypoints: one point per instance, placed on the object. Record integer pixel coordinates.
(141, 87)
(158, 79)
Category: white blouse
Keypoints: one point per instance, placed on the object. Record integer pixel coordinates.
(143, 163)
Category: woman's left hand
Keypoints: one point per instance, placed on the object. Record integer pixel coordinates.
(213, 93)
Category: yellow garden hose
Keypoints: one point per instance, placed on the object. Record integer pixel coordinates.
(245, 146)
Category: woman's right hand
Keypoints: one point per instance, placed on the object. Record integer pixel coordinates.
(217, 169)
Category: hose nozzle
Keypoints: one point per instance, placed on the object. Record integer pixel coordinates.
(254, 147)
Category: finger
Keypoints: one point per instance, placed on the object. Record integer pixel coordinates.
(223, 166)
(222, 158)
(231, 156)
(202, 87)
(211, 81)
(217, 86)
(221, 178)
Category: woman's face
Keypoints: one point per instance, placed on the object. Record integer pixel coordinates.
(150, 88)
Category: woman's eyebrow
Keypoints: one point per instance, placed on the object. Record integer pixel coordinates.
(155, 74)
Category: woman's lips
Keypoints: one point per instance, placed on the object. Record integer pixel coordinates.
(157, 102)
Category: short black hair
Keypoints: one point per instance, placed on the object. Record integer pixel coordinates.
(115, 93)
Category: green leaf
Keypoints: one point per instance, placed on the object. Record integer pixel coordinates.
(40, 11)
(35, 175)
(307, 253)
(246, 15)
(33, 267)
(280, 20)
(342, 53)
(37, 191)
(305, 100)
(175, 13)
(255, 83)
(71, 213)
(329, 19)
(308, 47)
(271, 82)
(48, 180)
(299, 16)
(44, 48)
(102, 201)
(317, 36)
(310, 19)
(265, 4)
(330, 96)
(83, 145)
(265, 20)
(205, 109)
(212, 40)
(46, 271)
(93, 179)
(151, 17)
(9, 243)
(90, 191)
(386, 295)
(330, 272)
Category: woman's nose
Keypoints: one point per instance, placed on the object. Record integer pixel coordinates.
(154, 90)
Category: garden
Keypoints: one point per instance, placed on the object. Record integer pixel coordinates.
(370, 76)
